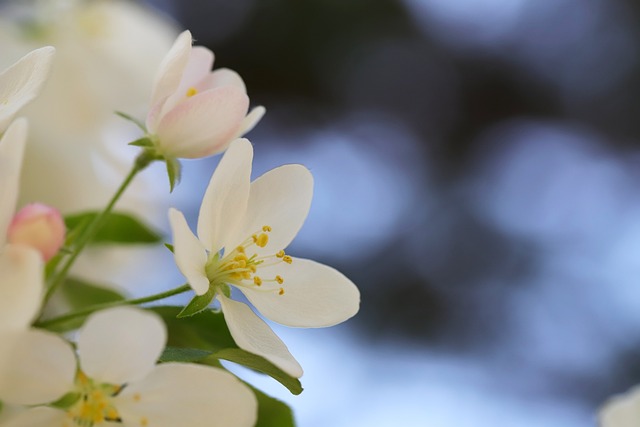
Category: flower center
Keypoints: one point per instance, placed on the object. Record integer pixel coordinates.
(240, 269)
(191, 92)
(94, 406)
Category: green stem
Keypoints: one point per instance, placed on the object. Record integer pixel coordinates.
(85, 237)
(87, 311)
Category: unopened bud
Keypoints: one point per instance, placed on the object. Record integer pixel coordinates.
(40, 227)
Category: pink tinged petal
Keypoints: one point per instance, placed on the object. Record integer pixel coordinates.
(222, 77)
(314, 295)
(190, 255)
(121, 345)
(21, 286)
(225, 200)
(35, 367)
(198, 68)
(171, 69)
(40, 417)
(21, 83)
(251, 120)
(281, 199)
(204, 124)
(622, 410)
(11, 153)
(176, 394)
(40, 227)
(252, 334)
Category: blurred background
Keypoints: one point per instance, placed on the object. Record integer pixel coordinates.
(477, 169)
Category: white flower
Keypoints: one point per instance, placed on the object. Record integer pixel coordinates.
(243, 229)
(21, 83)
(118, 381)
(622, 410)
(195, 112)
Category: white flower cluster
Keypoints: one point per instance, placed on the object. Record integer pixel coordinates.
(110, 373)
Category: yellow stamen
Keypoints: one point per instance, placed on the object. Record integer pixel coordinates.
(287, 259)
(191, 91)
(280, 254)
(280, 280)
(281, 292)
(257, 280)
(266, 228)
(262, 240)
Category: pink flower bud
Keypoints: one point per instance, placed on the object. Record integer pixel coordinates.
(40, 227)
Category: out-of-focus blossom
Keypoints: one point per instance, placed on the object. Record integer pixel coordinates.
(243, 229)
(196, 112)
(118, 381)
(40, 227)
(21, 83)
(622, 410)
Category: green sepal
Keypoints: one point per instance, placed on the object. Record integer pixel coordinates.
(145, 141)
(183, 355)
(260, 364)
(67, 400)
(118, 228)
(132, 120)
(272, 412)
(198, 303)
(174, 170)
(169, 246)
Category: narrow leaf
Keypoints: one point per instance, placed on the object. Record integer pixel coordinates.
(132, 120)
(118, 228)
(174, 170)
(260, 364)
(198, 304)
(272, 412)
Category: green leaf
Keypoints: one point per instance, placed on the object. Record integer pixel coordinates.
(174, 169)
(198, 304)
(184, 355)
(132, 120)
(80, 294)
(260, 364)
(142, 142)
(272, 412)
(206, 330)
(118, 228)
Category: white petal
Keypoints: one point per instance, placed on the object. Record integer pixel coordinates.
(622, 411)
(223, 77)
(21, 83)
(121, 345)
(172, 67)
(204, 124)
(21, 286)
(281, 199)
(176, 394)
(315, 295)
(190, 255)
(252, 334)
(11, 153)
(251, 120)
(225, 200)
(40, 416)
(35, 367)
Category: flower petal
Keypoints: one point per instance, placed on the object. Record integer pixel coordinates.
(120, 345)
(40, 416)
(225, 200)
(21, 83)
(622, 411)
(251, 120)
(222, 77)
(21, 286)
(252, 334)
(280, 199)
(11, 153)
(190, 255)
(203, 124)
(176, 394)
(171, 69)
(315, 295)
(35, 367)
